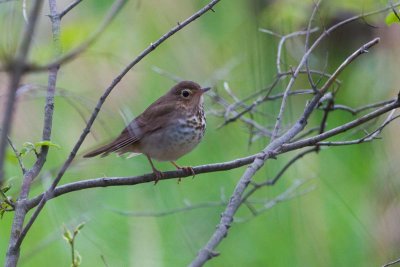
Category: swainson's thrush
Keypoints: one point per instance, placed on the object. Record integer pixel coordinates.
(168, 129)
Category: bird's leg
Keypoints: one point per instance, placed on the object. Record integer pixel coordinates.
(186, 169)
(156, 172)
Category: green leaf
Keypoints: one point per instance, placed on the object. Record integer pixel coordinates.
(46, 143)
(392, 18)
(78, 228)
(67, 235)
(27, 147)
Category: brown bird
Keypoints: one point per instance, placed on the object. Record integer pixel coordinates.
(168, 129)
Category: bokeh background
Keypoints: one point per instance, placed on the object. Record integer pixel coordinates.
(351, 216)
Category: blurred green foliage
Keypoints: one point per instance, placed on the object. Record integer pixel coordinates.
(348, 220)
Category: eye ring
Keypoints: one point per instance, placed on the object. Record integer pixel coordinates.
(185, 93)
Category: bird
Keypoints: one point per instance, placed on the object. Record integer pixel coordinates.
(169, 128)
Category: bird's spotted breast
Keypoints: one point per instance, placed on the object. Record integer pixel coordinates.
(180, 137)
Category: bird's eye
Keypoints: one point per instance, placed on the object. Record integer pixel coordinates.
(186, 93)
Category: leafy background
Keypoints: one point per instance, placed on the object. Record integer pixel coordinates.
(349, 219)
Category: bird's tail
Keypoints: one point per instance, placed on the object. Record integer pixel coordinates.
(104, 151)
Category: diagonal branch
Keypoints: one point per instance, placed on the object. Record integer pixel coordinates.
(50, 191)
(207, 252)
(114, 10)
(340, 129)
(69, 8)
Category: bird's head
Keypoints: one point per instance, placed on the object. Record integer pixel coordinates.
(188, 93)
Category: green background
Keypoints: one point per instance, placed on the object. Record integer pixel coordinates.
(351, 216)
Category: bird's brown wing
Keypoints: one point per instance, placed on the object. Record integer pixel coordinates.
(155, 117)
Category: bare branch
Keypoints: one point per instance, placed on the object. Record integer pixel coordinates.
(270, 32)
(50, 191)
(267, 204)
(288, 194)
(69, 8)
(114, 10)
(340, 129)
(20, 209)
(367, 138)
(282, 42)
(355, 111)
(207, 252)
(267, 97)
(187, 207)
(146, 178)
(272, 181)
(391, 263)
(248, 121)
(310, 21)
(15, 78)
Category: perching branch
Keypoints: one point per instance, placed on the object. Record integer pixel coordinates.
(283, 138)
(237, 163)
(50, 191)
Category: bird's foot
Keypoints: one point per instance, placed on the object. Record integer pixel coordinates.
(159, 175)
(187, 169)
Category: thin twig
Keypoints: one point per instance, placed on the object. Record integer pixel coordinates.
(17, 155)
(50, 191)
(69, 8)
(229, 165)
(367, 138)
(246, 120)
(272, 181)
(207, 251)
(340, 129)
(282, 42)
(20, 209)
(114, 10)
(310, 21)
(268, 97)
(391, 263)
(288, 194)
(187, 207)
(7, 200)
(16, 72)
(16, 75)
(355, 111)
(307, 54)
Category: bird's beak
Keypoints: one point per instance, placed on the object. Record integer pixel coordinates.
(203, 90)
